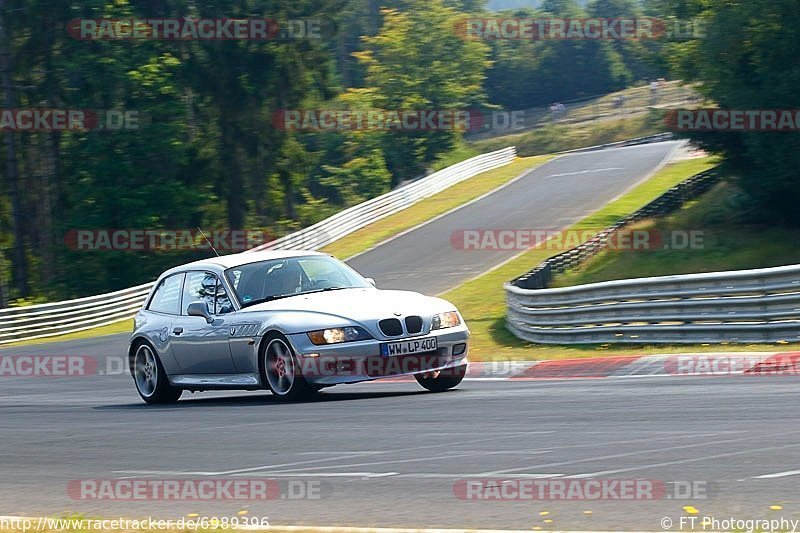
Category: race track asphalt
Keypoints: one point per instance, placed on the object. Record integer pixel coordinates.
(389, 454)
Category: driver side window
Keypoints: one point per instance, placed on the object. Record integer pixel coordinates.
(205, 287)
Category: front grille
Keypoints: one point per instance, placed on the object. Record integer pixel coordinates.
(391, 327)
(413, 324)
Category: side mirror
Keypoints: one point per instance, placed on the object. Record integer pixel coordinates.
(199, 309)
(372, 281)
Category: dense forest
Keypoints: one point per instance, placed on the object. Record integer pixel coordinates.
(199, 145)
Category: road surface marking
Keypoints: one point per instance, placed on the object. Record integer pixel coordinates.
(618, 455)
(779, 474)
(579, 172)
(683, 461)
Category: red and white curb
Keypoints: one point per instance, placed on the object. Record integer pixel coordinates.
(687, 364)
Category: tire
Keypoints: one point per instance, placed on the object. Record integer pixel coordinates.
(446, 380)
(152, 382)
(281, 371)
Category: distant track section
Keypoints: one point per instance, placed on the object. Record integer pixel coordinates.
(549, 197)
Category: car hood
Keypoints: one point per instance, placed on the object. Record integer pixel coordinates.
(362, 305)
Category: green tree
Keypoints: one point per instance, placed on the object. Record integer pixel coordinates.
(536, 72)
(748, 60)
(418, 62)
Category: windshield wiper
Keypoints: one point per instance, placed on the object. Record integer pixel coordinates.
(327, 289)
(267, 299)
(280, 296)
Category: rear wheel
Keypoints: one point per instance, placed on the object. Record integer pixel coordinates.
(443, 380)
(282, 373)
(152, 382)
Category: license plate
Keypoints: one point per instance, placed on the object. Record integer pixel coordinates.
(409, 346)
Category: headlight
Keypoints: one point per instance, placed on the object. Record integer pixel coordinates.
(445, 320)
(337, 335)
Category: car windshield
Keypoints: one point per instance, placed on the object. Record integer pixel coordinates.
(280, 278)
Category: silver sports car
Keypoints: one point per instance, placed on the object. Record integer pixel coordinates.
(290, 321)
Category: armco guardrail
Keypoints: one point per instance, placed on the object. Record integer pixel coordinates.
(57, 318)
(359, 216)
(657, 138)
(739, 307)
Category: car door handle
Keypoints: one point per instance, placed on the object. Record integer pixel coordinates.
(177, 331)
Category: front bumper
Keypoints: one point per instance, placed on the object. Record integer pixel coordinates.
(352, 362)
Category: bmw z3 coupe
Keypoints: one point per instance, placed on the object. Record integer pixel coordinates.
(292, 322)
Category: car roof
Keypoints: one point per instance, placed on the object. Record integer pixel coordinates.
(233, 260)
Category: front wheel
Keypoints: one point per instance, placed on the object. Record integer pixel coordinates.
(151, 380)
(282, 373)
(443, 380)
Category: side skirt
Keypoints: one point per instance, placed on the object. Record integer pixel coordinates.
(216, 381)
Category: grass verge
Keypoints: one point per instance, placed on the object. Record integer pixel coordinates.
(723, 242)
(482, 302)
(365, 238)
